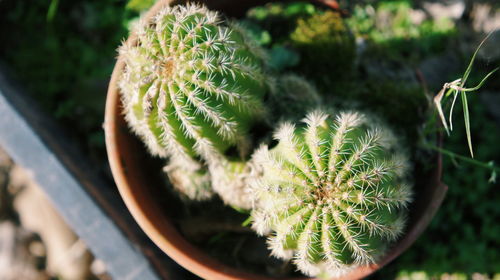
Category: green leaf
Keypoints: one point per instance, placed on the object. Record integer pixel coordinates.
(469, 68)
(247, 221)
(51, 12)
(467, 121)
(463, 92)
(458, 87)
(263, 37)
(299, 8)
(482, 81)
(450, 120)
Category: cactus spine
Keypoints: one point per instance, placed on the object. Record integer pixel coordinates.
(333, 194)
(192, 85)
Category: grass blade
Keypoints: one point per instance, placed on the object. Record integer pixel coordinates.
(52, 10)
(469, 68)
(482, 81)
(451, 109)
(467, 121)
(464, 90)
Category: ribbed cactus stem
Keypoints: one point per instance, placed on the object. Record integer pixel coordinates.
(332, 194)
(230, 180)
(192, 84)
(193, 182)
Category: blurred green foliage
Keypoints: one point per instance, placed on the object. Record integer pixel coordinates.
(64, 54)
(321, 37)
(272, 24)
(280, 19)
(422, 275)
(139, 5)
(325, 45)
(463, 236)
(393, 30)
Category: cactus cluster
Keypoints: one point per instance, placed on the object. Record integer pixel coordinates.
(333, 193)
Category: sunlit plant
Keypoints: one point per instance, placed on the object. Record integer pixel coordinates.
(192, 87)
(333, 193)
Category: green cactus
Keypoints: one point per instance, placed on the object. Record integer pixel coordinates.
(333, 194)
(294, 96)
(192, 85)
(230, 180)
(193, 182)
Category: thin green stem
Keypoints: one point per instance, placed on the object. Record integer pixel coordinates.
(460, 157)
(240, 210)
(247, 221)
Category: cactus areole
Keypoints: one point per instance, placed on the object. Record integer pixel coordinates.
(333, 194)
(192, 84)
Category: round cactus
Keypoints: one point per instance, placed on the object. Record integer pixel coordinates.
(332, 194)
(292, 98)
(192, 84)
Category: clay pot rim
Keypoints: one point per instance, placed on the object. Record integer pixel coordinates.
(165, 235)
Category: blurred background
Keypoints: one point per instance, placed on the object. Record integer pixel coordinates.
(62, 53)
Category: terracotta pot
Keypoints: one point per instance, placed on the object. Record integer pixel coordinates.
(129, 164)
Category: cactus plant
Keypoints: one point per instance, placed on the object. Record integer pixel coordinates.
(192, 85)
(230, 180)
(193, 182)
(332, 194)
(293, 97)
